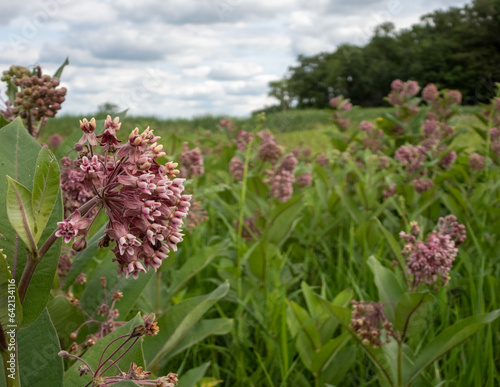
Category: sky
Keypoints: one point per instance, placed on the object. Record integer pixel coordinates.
(185, 58)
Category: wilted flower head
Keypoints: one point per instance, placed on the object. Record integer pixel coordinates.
(367, 320)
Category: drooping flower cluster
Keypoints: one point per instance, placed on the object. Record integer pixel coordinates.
(192, 162)
(431, 260)
(340, 106)
(243, 138)
(142, 198)
(106, 324)
(269, 150)
(367, 320)
(134, 373)
(37, 98)
(282, 178)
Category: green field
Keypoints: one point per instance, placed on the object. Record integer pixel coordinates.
(259, 292)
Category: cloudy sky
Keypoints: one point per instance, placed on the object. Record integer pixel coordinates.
(181, 58)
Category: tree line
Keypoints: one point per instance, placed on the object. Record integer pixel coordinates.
(457, 48)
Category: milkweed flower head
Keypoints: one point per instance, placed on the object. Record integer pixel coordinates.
(192, 162)
(243, 138)
(142, 198)
(367, 320)
(340, 106)
(269, 150)
(430, 260)
(282, 178)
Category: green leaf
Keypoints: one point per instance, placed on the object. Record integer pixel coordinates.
(3, 121)
(11, 311)
(389, 288)
(18, 155)
(66, 318)
(20, 212)
(194, 265)
(411, 312)
(193, 376)
(59, 71)
(38, 346)
(284, 219)
(92, 356)
(41, 283)
(203, 329)
(45, 189)
(322, 358)
(178, 321)
(447, 340)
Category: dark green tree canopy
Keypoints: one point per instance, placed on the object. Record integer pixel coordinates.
(458, 48)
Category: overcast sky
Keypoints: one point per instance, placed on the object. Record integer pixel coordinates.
(181, 58)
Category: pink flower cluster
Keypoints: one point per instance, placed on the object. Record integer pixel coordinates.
(236, 168)
(282, 178)
(476, 161)
(412, 157)
(269, 150)
(73, 188)
(192, 162)
(142, 198)
(431, 260)
(402, 92)
(443, 104)
(243, 138)
(341, 106)
(373, 139)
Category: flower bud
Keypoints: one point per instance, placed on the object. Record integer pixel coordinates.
(79, 244)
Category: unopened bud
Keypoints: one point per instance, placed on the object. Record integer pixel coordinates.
(63, 354)
(79, 244)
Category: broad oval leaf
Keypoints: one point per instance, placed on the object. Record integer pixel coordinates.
(45, 189)
(20, 212)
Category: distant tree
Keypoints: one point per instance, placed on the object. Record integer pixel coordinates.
(107, 108)
(458, 48)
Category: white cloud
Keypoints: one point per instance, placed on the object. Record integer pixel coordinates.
(180, 58)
